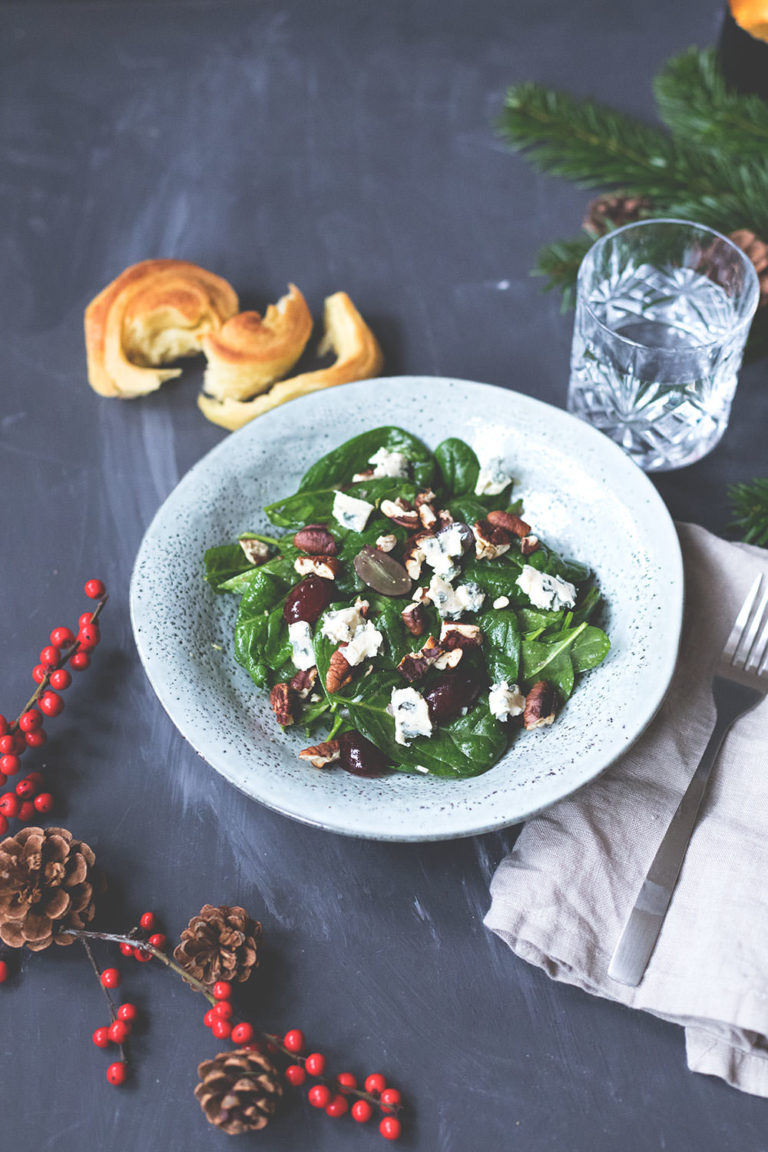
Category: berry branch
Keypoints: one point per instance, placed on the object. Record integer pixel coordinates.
(330, 1094)
(27, 800)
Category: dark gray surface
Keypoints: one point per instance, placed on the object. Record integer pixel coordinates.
(341, 146)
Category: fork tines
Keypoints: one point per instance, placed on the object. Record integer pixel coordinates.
(747, 646)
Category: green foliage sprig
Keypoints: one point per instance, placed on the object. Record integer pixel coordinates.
(710, 162)
(749, 503)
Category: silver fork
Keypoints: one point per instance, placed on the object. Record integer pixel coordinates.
(740, 683)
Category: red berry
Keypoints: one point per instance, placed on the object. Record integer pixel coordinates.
(26, 789)
(222, 990)
(319, 1096)
(223, 1010)
(39, 673)
(9, 804)
(221, 1028)
(127, 1012)
(51, 704)
(43, 803)
(391, 1096)
(142, 955)
(126, 949)
(88, 637)
(79, 661)
(375, 1083)
(315, 1064)
(157, 940)
(19, 742)
(60, 637)
(94, 589)
(86, 618)
(35, 739)
(294, 1040)
(119, 1031)
(29, 721)
(4, 973)
(361, 1111)
(110, 978)
(7, 743)
(295, 1074)
(3, 725)
(346, 1081)
(60, 679)
(117, 1072)
(3, 825)
(9, 765)
(209, 1018)
(101, 1037)
(50, 656)
(338, 1106)
(147, 921)
(26, 811)
(242, 1033)
(390, 1128)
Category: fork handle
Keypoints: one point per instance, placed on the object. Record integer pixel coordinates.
(637, 941)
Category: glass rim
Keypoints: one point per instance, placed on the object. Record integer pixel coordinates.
(754, 283)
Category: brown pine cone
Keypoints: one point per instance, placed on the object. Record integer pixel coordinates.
(220, 943)
(757, 251)
(239, 1091)
(47, 882)
(605, 213)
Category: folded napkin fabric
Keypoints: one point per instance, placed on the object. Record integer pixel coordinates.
(562, 896)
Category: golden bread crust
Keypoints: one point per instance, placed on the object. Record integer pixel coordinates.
(249, 352)
(153, 312)
(358, 357)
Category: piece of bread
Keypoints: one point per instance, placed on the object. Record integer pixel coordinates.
(358, 357)
(249, 352)
(154, 312)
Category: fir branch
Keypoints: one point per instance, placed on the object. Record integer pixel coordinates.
(585, 142)
(699, 109)
(750, 510)
(559, 263)
(595, 146)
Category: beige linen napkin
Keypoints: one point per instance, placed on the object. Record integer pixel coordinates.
(561, 897)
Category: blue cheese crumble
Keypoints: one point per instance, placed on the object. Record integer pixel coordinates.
(492, 478)
(300, 635)
(545, 591)
(350, 512)
(505, 701)
(411, 714)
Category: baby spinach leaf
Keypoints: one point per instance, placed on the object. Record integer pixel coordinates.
(338, 466)
(316, 506)
(539, 620)
(261, 634)
(466, 746)
(501, 644)
(589, 649)
(497, 577)
(223, 563)
(550, 659)
(458, 467)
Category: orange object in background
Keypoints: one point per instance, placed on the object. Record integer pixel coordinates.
(752, 16)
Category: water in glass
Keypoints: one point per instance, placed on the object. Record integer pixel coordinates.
(655, 357)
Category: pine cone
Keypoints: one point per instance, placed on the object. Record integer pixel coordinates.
(47, 883)
(605, 213)
(239, 1091)
(757, 251)
(220, 944)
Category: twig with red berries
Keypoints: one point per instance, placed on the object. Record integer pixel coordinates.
(335, 1095)
(28, 800)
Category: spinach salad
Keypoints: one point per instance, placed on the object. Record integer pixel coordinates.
(406, 609)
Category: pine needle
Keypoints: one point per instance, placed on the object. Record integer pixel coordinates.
(559, 263)
(701, 111)
(749, 503)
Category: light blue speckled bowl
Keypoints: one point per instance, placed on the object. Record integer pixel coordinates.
(581, 494)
